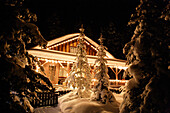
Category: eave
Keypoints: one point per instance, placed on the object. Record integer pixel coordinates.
(70, 57)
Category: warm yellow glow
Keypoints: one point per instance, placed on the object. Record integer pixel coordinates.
(54, 61)
(93, 80)
(70, 41)
(71, 87)
(112, 80)
(123, 81)
(124, 68)
(91, 46)
(37, 68)
(61, 64)
(62, 43)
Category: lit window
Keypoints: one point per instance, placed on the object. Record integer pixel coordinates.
(73, 49)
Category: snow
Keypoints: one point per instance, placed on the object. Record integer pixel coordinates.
(71, 103)
(47, 109)
(119, 97)
(102, 99)
(59, 89)
(131, 84)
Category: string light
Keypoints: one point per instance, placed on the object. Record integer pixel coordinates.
(123, 81)
(37, 68)
(60, 62)
(70, 41)
(62, 43)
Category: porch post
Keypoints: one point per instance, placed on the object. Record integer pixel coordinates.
(68, 69)
(57, 72)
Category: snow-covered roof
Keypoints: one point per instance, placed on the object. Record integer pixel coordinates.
(60, 39)
(66, 56)
(71, 36)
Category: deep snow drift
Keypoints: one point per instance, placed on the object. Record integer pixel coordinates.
(71, 103)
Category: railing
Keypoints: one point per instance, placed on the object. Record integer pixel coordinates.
(47, 98)
(117, 83)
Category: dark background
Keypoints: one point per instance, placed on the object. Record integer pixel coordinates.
(110, 17)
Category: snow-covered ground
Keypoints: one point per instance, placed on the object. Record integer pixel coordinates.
(70, 103)
(48, 109)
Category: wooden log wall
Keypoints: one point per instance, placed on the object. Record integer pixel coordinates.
(66, 47)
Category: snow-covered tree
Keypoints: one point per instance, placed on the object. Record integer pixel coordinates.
(80, 76)
(101, 92)
(18, 80)
(148, 55)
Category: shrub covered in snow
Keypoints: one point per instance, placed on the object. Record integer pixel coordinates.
(147, 54)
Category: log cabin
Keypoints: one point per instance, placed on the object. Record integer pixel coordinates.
(59, 56)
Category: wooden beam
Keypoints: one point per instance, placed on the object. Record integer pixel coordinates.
(44, 63)
(113, 70)
(68, 46)
(62, 66)
(64, 48)
(57, 48)
(57, 72)
(119, 71)
(68, 68)
(116, 72)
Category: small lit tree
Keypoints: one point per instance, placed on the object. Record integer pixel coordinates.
(101, 91)
(80, 76)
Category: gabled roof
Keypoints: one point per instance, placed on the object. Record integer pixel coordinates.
(59, 55)
(70, 37)
(63, 38)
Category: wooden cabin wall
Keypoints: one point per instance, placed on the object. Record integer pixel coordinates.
(56, 77)
(66, 47)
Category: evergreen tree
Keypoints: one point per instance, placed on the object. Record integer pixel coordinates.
(18, 80)
(147, 54)
(80, 76)
(101, 92)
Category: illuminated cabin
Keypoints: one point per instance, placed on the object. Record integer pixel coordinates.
(59, 56)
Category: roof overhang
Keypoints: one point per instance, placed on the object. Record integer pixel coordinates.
(70, 57)
(73, 36)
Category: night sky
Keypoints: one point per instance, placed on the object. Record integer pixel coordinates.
(66, 16)
(91, 13)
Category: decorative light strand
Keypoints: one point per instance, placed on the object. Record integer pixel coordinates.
(62, 43)
(53, 61)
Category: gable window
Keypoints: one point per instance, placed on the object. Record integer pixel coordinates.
(73, 49)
